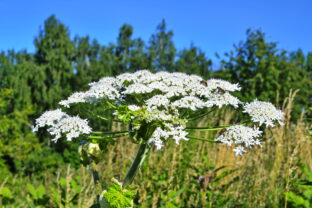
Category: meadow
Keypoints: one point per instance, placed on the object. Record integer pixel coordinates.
(35, 172)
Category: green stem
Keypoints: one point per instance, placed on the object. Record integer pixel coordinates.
(138, 161)
(208, 128)
(106, 119)
(202, 139)
(106, 137)
(204, 129)
(213, 128)
(197, 116)
(110, 104)
(111, 132)
(97, 183)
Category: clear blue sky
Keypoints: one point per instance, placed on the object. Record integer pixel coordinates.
(214, 26)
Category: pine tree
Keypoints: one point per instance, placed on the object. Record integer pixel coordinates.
(55, 52)
(193, 61)
(161, 48)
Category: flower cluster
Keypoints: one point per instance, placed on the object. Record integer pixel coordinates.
(264, 113)
(165, 100)
(61, 123)
(161, 89)
(241, 136)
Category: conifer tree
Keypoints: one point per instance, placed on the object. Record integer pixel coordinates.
(55, 52)
(161, 48)
(86, 61)
(193, 61)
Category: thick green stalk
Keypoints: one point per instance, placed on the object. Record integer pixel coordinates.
(138, 161)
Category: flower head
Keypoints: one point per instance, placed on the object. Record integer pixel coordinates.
(165, 101)
(240, 135)
(264, 113)
(49, 118)
(61, 123)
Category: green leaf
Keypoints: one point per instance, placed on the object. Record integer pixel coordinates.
(40, 191)
(118, 197)
(5, 192)
(63, 182)
(202, 139)
(297, 200)
(32, 190)
(55, 195)
(124, 114)
(170, 205)
(75, 186)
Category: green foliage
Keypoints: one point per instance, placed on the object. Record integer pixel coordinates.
(67, 192)
(193, 61)
(124, 114)
(268, 72)
(6, 196)
(37, 196)
(162, 51)
(55, 53)
(301, 194)
(118, 197)
(15, 145)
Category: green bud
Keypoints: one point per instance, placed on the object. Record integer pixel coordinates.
(94, 150)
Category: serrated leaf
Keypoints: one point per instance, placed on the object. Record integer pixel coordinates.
(117, 197)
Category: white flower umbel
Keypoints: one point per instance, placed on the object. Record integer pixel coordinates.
(222, 99)
(49, 118)
(264, 113)
(77, 97)
(240, 135)
(215, 84)
(163, 99)
(137, 88)
(60, 123)
(158, 136)
(102, 89)
(157, 101)
(191, 102)
(72, 127)
(239, 150)
(176, 132)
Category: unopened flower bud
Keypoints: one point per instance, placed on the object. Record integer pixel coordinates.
(93, 150)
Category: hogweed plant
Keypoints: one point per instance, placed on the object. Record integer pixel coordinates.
(156, 107)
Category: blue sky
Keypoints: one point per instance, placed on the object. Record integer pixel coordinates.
(214, 26)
